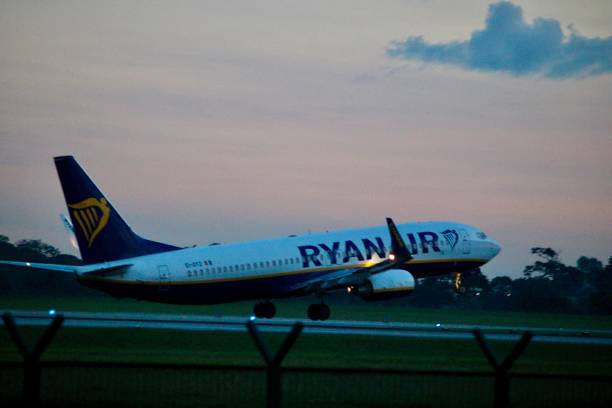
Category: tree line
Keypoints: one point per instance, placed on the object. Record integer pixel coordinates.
(16, 281)
(547, 285)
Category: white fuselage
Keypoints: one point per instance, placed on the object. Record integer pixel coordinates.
(286, 266)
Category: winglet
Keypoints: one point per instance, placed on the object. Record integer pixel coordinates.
(398, 246)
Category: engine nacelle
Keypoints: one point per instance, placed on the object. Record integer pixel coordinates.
(385, 285)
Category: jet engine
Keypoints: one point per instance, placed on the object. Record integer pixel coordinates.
(385, 285)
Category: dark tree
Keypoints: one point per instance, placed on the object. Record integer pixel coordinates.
(548, 267)
(538, 294)
(600, 300)
(16, 281)
(39, 247)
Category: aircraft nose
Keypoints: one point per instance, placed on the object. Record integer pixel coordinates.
(495, 248)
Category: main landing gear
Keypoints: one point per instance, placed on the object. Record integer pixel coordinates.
(267, 310)
(264, 310)
(318, 311)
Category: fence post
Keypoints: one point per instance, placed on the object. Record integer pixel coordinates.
(273, 370)
(31, 358)
(502, 378)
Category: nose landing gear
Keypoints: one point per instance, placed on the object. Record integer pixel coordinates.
(459, 288)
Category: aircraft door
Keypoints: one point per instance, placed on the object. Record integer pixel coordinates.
(465, 242)
(164, 278)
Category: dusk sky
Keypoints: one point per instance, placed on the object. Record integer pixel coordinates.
(230, 121)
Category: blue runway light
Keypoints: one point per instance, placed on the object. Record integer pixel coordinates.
(438, 325)
(51, 312)
(252, 318)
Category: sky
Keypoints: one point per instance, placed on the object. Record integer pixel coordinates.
(230, 121)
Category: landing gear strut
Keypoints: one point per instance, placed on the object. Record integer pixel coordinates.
(318, 311)
(264, 310)
(459, 288)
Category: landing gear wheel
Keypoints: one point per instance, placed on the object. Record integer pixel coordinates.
(324, 312)
(264, 310)
(318, 311)
(313, 312)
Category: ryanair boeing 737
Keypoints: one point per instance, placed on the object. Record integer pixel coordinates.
(373, 263)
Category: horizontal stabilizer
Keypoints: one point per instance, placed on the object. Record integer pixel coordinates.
(43, 266)
(88, 270)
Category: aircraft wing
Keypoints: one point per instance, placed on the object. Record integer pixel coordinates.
(398, 256)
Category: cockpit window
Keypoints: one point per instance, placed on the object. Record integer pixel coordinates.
(481, 235)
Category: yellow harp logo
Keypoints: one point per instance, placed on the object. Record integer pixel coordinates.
(92, 215)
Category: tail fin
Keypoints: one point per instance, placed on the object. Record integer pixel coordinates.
(101, 233)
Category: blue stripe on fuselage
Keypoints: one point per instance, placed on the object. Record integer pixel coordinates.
(209, 292)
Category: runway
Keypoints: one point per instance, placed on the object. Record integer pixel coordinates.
(331, 327)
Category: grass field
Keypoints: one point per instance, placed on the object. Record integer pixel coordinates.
(311, 350)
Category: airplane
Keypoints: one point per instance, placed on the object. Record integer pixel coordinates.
(374, 263)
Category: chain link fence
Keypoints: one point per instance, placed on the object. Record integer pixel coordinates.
(76, 384)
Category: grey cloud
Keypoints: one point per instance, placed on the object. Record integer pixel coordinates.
(509, 44)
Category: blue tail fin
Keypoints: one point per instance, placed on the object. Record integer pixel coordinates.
(101, 233)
